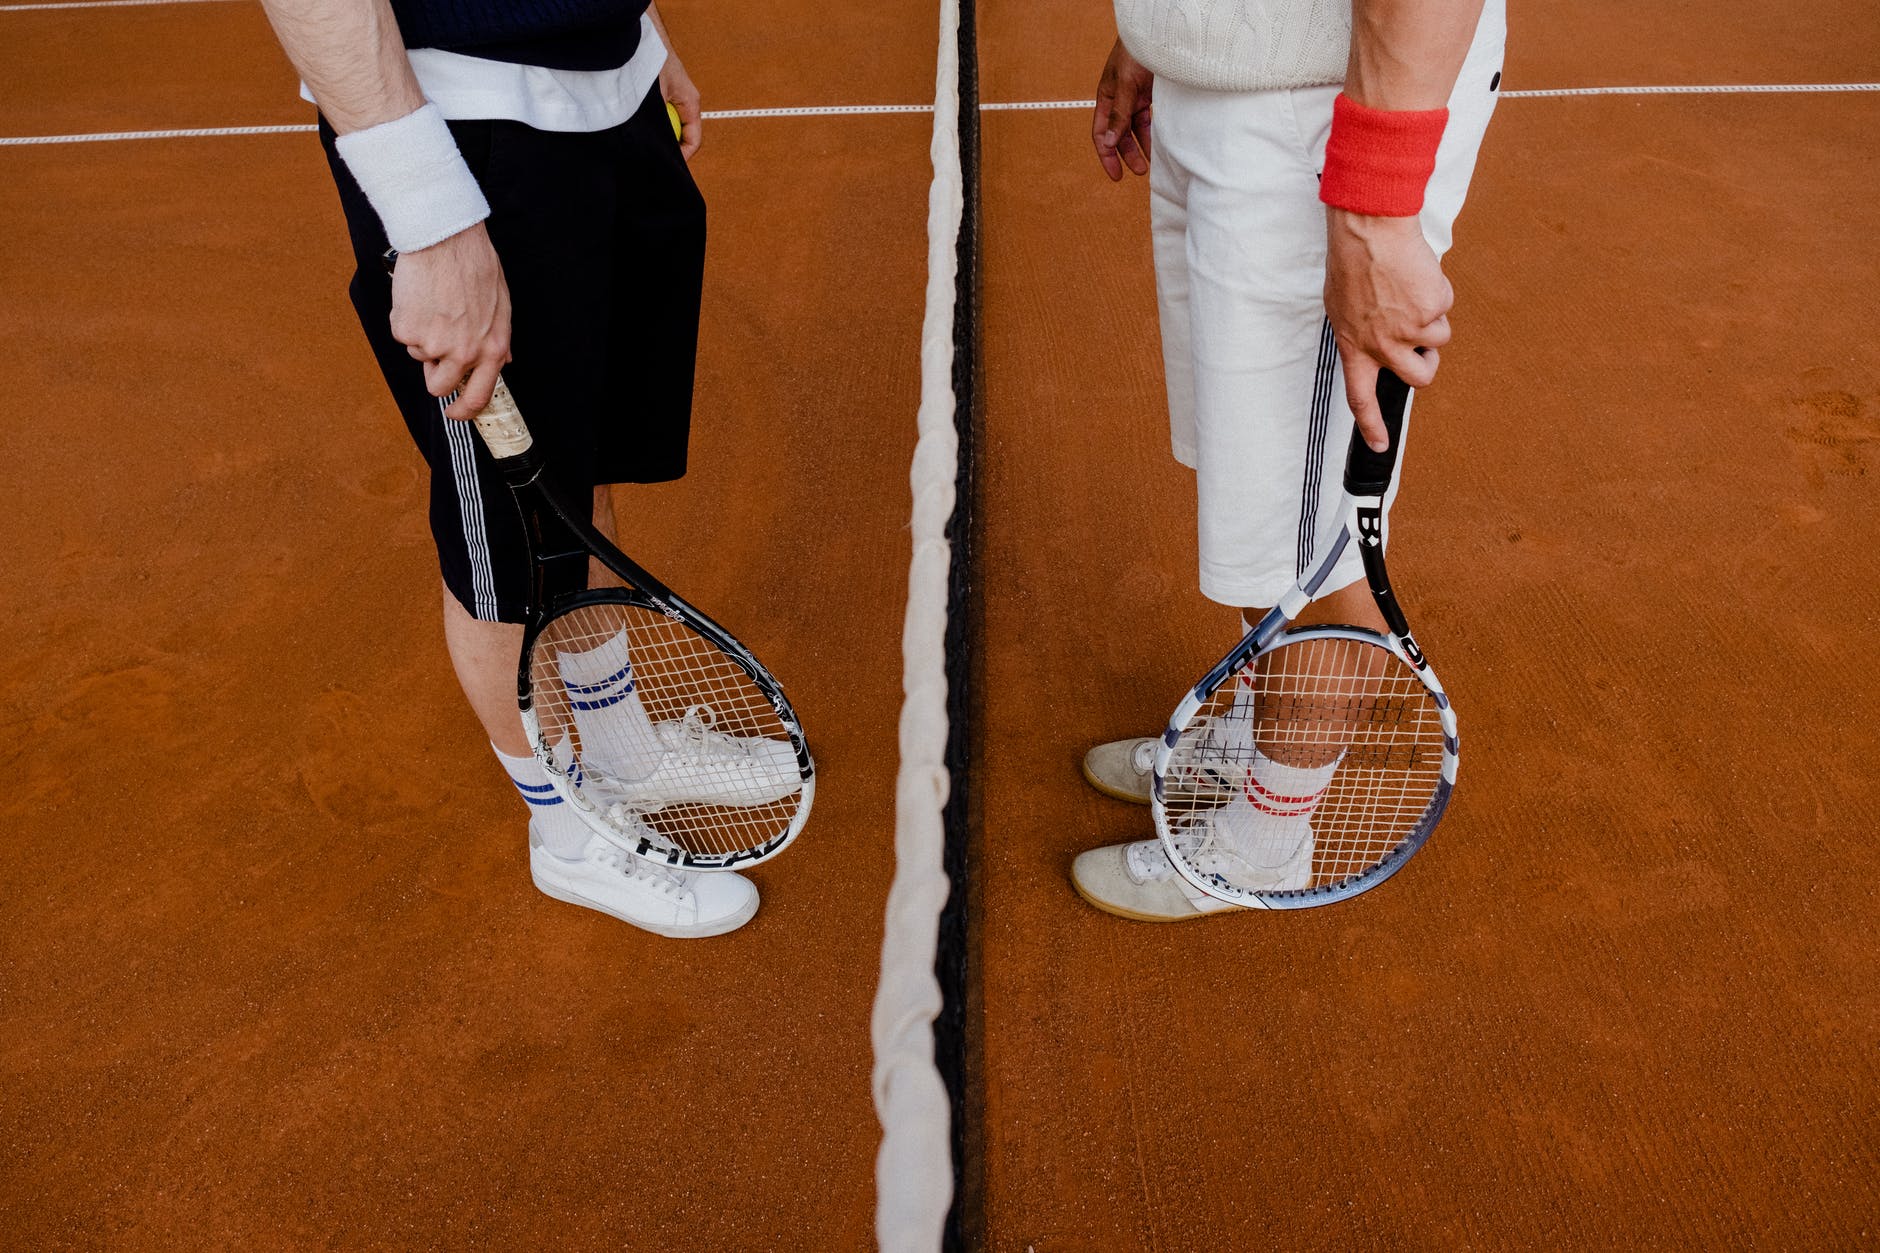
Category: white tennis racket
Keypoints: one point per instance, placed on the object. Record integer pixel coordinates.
(1310, 763)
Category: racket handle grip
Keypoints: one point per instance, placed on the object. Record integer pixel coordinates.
(501, 425)
(1368, 473)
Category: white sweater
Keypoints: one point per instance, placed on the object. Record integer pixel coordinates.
(1239, 45)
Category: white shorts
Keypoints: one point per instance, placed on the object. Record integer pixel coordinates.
(1256, 395)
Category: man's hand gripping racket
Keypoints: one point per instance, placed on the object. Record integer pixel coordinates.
(663, 731)
(1310, 763)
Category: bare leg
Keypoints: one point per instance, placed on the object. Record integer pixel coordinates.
(598, 574)
(1328, 685)
(485, 653)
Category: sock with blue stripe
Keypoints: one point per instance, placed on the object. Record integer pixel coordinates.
(616, 734)
(562, 831)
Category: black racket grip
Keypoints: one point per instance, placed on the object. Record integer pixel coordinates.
(1367, 473)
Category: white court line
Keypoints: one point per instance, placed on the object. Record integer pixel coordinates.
(105, 137)
(297, 128)
(95, 4)
(819, 110)
(1722, 89)
(1734, 89)
(864, 110)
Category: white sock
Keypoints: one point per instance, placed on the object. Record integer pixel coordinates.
(616, 734)
(562, 831)
(1237, 732)
(1284, 791)
(1268, 823)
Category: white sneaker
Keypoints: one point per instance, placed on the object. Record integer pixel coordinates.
(678, 903)
(1122, 769)
(1255, 852)
(700, 766)
(1138, 881)
(1125, 769)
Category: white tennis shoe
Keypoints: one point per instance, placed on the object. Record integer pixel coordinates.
(1138, 881)
(702, 766)
(1122, 769)
(1253, 851)
(1125, 769)
(678, 903)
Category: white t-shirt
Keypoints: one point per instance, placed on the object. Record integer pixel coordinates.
(465, 87)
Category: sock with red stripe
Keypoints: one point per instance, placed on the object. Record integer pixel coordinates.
(1282, 791)
(1267, 828)
(1269, 824)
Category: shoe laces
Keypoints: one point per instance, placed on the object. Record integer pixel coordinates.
(1197, 738)
(696, 737)
(1196, 838)
(1149, 860)
(666, 880)
(1202, 842)
(1207, 755)
(1206, 841)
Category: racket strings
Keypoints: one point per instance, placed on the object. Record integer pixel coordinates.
(1309, 767)
(661, 732)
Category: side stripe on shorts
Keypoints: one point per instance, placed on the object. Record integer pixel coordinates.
(1322, 381)
(476, 538)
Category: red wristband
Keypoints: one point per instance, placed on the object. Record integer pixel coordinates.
(1378, 161)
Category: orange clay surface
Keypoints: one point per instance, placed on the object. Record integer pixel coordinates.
(1626, 996)
(272, 968)
(274, 976)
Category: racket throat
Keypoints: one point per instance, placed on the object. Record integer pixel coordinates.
(560, 559)
(1368, 526)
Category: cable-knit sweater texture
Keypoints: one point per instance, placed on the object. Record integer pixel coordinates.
(1239, 45)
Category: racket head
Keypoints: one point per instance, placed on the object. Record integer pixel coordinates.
(1313, 697)
(666, 735)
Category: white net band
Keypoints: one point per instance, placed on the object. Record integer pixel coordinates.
(913, 1169)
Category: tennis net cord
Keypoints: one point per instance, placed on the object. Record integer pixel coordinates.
(914, 1180)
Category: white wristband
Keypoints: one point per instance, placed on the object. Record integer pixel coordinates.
(411, 171)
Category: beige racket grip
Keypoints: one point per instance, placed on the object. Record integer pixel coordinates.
(501, 425)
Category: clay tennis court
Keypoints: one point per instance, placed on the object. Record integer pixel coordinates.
(274, 975)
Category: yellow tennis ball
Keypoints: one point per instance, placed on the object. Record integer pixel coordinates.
(672, 115)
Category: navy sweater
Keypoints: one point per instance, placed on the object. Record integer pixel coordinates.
(560, 34)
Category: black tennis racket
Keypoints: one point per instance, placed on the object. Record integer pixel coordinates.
(1310, 763)
(663, 731)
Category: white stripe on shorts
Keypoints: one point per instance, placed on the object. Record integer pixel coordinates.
(1316, 435)
(469, 488)
(1255, 395)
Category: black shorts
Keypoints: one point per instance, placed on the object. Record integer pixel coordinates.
(602, 240)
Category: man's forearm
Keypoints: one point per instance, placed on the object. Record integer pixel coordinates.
(1405, 54)
(352, 56)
